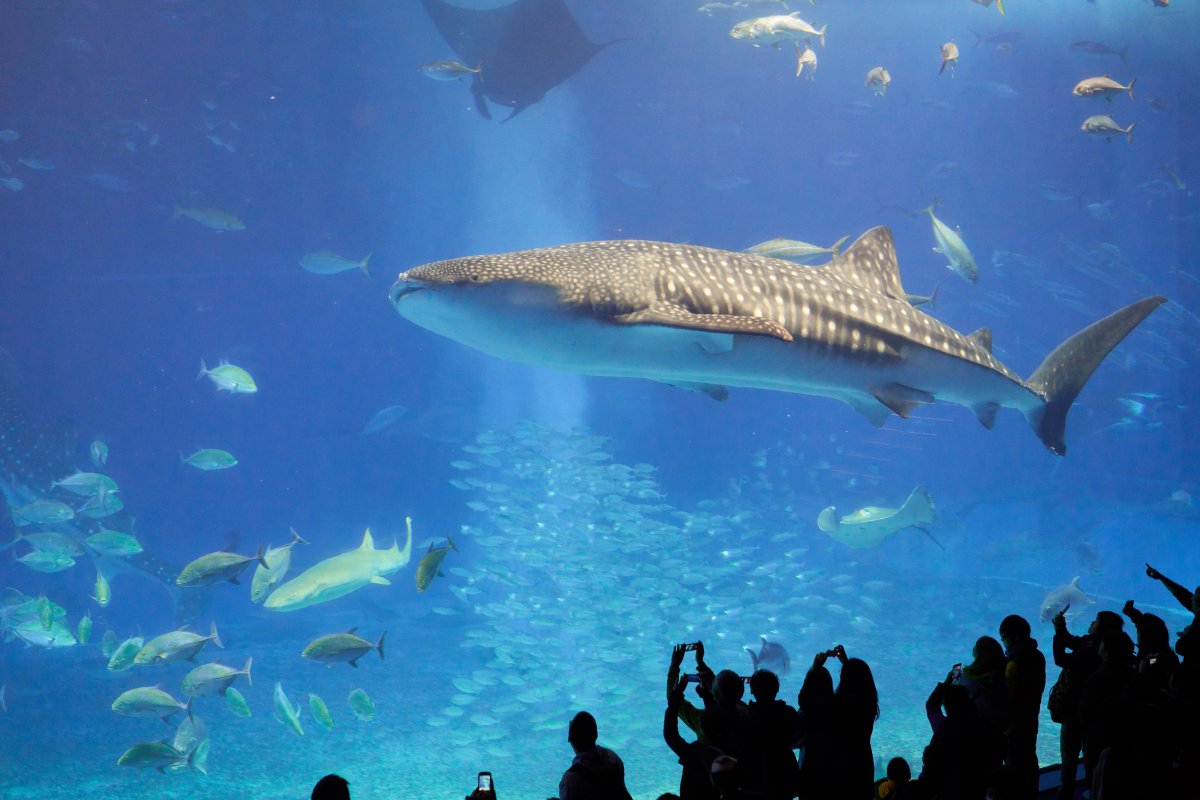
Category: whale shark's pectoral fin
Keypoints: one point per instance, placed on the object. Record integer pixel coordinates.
(381, 581)
(876, 413)
(676, 317)
(901, 399)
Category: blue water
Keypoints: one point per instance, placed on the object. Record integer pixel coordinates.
(608, 518)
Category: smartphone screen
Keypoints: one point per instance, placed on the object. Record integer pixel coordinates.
(485, 781)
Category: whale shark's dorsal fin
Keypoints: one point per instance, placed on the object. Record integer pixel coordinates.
(983, 338)
(367, 543)
(870, 263)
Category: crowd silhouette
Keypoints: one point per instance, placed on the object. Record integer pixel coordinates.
(1124, 706)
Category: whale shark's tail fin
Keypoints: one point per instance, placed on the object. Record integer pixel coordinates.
(1062, 375)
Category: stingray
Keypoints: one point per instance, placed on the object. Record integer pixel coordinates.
(525, 49)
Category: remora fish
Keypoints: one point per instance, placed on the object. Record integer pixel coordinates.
(951, 245)
(682, 314)
(341, 574)
(869, 526)
(792, 250)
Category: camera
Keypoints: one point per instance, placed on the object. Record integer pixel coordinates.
(485, 782)
(690, 677)
(691, 646)
(956, 670)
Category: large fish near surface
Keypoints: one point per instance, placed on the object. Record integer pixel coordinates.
(703, 318)
(33, 455)
(342, 574)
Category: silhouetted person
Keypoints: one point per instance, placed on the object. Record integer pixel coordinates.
(1025, 681)
(725, 720)
(1102, 706)
(688, 712)
(853, 712)
(331, 787)
(983, 679)
(815, 702)
(1078, 657)
(725, 780)
(597, 773)
(696, 757)
(1189, 637)
(898, 783)
(773, 729)
(1153, 713)
(964, 753)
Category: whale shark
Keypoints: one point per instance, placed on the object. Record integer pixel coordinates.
(706, 319)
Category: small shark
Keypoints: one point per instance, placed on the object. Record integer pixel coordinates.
(701, 318)
(342, 574)
(1067, 599)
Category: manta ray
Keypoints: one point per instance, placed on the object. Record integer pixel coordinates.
(706, 319)
(523, 49)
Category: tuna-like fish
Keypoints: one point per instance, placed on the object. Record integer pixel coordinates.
(1068, 598)
(228, 377)
(208, 459)
(160, 756)
(218, 219)
(178, 645)
(126, 653)
(320, 711)
(286, 713)
(448, 70)
(696, 316)
(362, 705)
(775, 29)
(338, 576)
(346, 647)
(1103, 86)
(430, 565)
(949, 57)
(950, 244)
(217, 567)
(278, 560)
(42, 512)
(1101, 125)
(871, 525)
(327, 263)
(149, 702)
(214, 678)
(878, 79)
